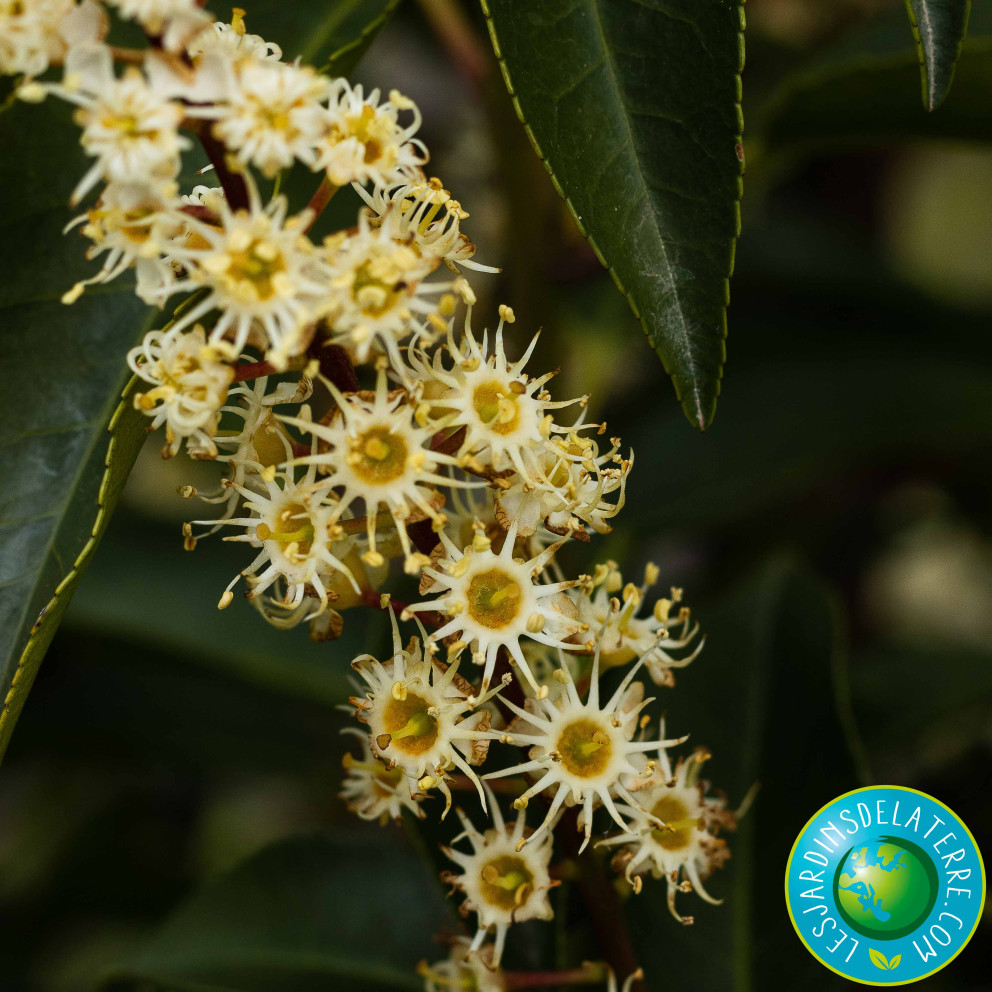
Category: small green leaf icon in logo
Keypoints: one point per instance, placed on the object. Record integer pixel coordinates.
(879, 960)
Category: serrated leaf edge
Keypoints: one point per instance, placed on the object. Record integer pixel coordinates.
(697, 416)
(27, 664)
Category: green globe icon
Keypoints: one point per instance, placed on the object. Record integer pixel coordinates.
(885, 887)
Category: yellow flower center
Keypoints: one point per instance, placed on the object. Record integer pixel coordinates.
(585, 748)
(293, 529)
(506, 882)
(493, 598)
(680, 825)
(497, 407)
(128, 124)
(256, 268)
(408, 725)
(377, 456)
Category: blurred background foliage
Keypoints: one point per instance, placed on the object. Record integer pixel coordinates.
(833, 532)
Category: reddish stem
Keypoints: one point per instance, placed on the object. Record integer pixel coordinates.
(320, 199)
(601, 899)
(234, 185)
(252, 370)
(588, 974)
(335, 365)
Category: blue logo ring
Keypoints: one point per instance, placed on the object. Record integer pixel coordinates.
(885, 885)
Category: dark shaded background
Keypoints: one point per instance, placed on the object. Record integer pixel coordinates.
(833, 532)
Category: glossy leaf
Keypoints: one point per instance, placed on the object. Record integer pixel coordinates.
(763, 698)
(351, 910)
(864, 90)
(635, 109)
(63, 373)
(939, 27)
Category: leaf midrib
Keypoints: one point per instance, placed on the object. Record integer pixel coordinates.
(611, 67)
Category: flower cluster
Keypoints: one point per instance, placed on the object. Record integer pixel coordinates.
(359, 420)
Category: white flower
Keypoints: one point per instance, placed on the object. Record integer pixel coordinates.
(374, 450)
(300, 549)
(580, 750)
(504, 878)
(233, 43)
(507, 416)
(371, 789)
(673, 829)
(379, 294)
(573, 479)
(35, 33)
(262, 274)
(613, 609)
(133, 224)
(426, 213)
(422, 717)
(494, 600)
(364, 140)
(259, 444)
(190, 387)
(273, 115)
(465, 969)
(128, 127)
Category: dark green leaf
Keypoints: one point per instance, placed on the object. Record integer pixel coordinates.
(63, 373)
(764, 698)
(351, 910)
(843, 414)
(939, 27)
(864, 90)
(634, 108)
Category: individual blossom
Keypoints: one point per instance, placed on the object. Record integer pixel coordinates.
(371, 789)
(37, 33)
(507, 417)
(260, 271)
(379, 296)
(427, 215)
(465, 969)
(569, 494)
(582, 751)
(233, 43)
(259, 442)
(673, 828)
(625, 635)
(129, 128)
(300, 549)
(504, 878)
(272, 116)
(364, 140)
(494, 600)
(373, 450)
(189, 388)
(423, 718)
(132, 225)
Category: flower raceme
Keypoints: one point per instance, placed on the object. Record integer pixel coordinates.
(363, 433)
